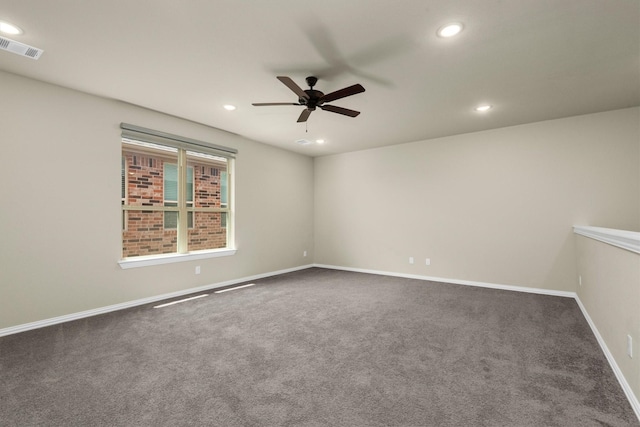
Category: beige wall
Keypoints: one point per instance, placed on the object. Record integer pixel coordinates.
(61, 234)
(494, 206)
(610, 292)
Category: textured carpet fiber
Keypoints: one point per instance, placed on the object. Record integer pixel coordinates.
(319, 348)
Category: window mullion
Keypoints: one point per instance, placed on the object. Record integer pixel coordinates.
(230, 217)
(183, 224)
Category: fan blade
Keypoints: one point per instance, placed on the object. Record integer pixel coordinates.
(293, 86)
(340, 110)
(264, 104)
(304, 115)
(342, 93)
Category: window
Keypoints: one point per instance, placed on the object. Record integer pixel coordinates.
(176, 194)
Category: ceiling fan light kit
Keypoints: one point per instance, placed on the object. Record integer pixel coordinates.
(312, 99)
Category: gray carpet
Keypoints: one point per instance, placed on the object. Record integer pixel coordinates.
(319, 348)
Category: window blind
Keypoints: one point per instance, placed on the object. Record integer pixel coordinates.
(138, 133)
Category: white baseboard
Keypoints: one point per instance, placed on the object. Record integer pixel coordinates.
(96, 311)
(455, 281)
(101, 310)
(633, 400)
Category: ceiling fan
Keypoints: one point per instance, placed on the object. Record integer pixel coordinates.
(313, 99)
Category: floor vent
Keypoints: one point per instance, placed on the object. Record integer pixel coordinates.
(20, 48)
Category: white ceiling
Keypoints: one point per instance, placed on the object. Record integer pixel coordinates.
(532, 60)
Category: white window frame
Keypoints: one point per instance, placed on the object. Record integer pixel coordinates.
(183, 145)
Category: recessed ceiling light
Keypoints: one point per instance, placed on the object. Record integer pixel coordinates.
(9, 28)
(449, 30)
(320, 141)
(229, 107)
(484, 107)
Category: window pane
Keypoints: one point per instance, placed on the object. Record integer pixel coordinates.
(145, 234)
(124, 182)
(190, 184)
(207, 179)
(171, 182)
(171, 218)
(224, 188)
(208, 232)
(144, 166)
(143, 231)
(223, 220)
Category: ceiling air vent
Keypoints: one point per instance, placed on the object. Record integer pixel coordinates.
(303, 142)
(20, 48)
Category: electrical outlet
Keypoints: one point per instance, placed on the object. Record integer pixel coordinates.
(304, 253)
(197, 269)
(410, 260)
(428, 261)
(580, 280)
(630, 346)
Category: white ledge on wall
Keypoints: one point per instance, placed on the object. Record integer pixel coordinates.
(145, 261)
(629, 240)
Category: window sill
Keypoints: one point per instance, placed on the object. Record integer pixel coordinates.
(629, 240)
(145, 261)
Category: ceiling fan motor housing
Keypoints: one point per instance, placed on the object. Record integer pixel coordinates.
(314, 98)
